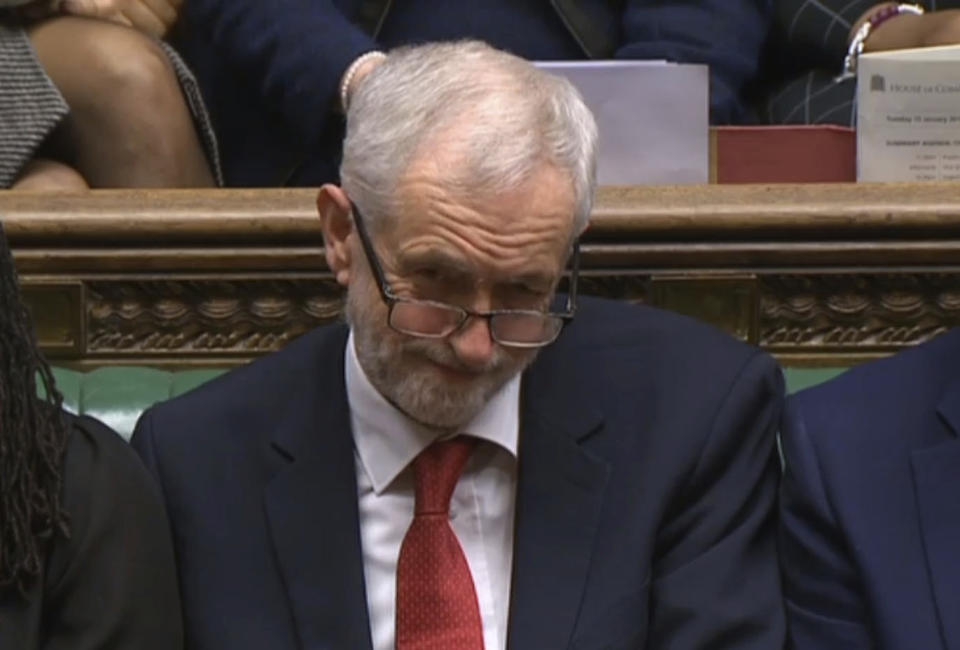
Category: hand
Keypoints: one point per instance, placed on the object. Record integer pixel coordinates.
(360, 68)
(909, 31)
(365, 68)
(153, 17)
(943, 28)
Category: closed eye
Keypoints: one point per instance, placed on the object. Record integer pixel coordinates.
(534, 291)
(443, 276)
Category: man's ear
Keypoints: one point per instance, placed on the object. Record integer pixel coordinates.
(337, 224)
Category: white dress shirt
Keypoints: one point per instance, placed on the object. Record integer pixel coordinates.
(481, 509)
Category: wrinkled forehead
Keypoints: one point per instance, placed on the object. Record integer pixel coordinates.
(489, 234)
(513, 196)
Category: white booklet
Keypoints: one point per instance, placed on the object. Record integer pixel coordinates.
(653, 118)
(908, 115)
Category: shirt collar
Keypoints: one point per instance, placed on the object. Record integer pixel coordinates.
(387, 440)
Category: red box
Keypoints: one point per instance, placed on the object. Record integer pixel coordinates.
(784, 154)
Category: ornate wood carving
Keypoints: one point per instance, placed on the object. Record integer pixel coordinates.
(801, 316)
(814, 273)
(183, 317)
(856, 312)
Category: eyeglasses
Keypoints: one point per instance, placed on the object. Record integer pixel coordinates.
(516, 328)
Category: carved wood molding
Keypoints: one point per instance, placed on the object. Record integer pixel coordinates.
(803, 317)
(814, 273)
(856, 312)
(189, 317)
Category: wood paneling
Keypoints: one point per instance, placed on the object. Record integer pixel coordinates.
(818, 274)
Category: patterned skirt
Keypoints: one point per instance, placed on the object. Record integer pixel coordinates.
(31, 107)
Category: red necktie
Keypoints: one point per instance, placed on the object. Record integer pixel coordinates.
(436, 602)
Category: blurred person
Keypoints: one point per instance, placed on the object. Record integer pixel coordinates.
(90, 97)
(85, 554)
(810, 42)
(870, 520)
(473, 461)
(272, 72)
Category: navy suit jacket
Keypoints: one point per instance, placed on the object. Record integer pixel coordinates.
(270, 71)
(871, 505)
(645, 500)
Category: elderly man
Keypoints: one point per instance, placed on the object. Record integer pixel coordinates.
(424, 478)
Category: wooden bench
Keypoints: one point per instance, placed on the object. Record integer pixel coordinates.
(817, 274)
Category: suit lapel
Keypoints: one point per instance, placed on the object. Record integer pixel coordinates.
(311, 506)
(936, 473)
(560, 492)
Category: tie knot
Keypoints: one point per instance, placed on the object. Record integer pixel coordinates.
(437, 470)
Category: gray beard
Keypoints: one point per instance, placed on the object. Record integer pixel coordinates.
(395, 369)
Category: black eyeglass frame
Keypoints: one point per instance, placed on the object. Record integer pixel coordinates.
(390, 299)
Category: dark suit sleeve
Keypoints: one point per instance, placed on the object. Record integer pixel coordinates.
(728, 35)
(294, 52)
(716, 584)
(824, 606)
(113, 583)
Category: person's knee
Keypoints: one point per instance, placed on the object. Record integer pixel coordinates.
(105, 67)
(49, 176)
(129, 123)
(135, 73)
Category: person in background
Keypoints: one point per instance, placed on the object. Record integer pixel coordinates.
(870, 515)
(473, 462)
(90, 97)
(272, 72)
(85, 554)
(808, 82)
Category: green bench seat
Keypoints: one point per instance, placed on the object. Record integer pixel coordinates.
(118, 395)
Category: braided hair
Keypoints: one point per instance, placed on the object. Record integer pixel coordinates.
(33, 439)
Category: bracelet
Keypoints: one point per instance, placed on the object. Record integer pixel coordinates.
(860, 38)
(352, 72)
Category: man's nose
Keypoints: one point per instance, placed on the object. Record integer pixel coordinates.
(473, 343)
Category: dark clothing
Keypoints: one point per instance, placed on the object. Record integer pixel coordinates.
(530, 26)
(112, 585)
(870, 540)
(806, 50)
(646, 489)
(270, 71)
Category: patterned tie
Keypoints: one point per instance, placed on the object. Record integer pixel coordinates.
(436, 602)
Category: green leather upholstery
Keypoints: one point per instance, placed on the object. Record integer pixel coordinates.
(800, 378)
(118, 395)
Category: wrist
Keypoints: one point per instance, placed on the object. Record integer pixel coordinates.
(879, 16)
(362, 65)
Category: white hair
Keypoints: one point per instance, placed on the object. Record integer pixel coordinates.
(505, 117)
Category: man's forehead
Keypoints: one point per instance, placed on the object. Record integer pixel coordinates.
(434, 187)
(534, 270)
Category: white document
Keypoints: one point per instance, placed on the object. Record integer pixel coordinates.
(908, 115)
(653, 118)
